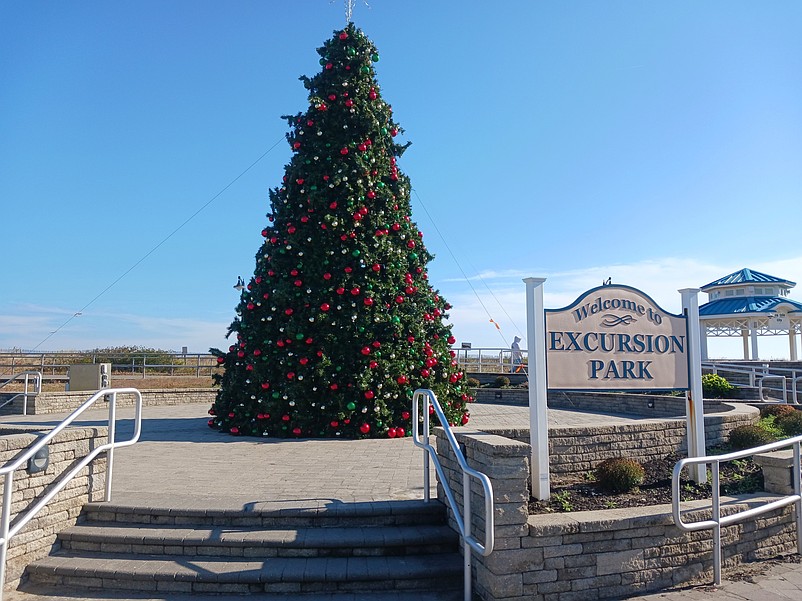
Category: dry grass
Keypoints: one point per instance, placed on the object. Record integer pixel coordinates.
(128, 381)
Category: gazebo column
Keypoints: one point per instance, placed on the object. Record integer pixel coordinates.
(792, 342)
(753, 336)
(745, 338)
(703, 340)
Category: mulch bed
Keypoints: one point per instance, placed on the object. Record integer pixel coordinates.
(583, 494)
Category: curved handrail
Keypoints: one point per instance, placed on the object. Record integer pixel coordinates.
(7, 531)
(718, 520)
(463, 519)
(37, 388)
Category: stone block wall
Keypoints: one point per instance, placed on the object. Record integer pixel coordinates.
(62, 402)
(592, 555)
(576, 450)
(37, 538)
(641, 405)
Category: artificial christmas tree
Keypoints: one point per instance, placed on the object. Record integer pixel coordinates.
(339, 323)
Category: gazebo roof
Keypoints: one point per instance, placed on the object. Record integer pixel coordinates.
(747, 276)
(746, 304)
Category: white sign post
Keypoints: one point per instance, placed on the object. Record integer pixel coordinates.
(694, 403)
(538, 413)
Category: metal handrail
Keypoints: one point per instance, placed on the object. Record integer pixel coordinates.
(771, 377)
(6, 530)
(37, 388)
(756, 374)
(718, 520)
(432, 405)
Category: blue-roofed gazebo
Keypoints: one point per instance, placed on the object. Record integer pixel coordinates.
(749, 304)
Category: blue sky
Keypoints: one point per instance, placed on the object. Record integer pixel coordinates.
(657, 143)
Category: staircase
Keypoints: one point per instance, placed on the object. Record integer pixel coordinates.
(388, 550)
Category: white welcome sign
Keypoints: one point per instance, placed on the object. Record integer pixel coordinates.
(611, 338)
(616, 337)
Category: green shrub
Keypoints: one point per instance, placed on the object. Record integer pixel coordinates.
(619, 474)
(779, 410)
(501, 382)
(473, 382)
(746, 437)
(716, 387)
(769, 424)
(790, 424)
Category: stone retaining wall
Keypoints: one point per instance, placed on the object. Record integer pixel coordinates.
(576, 450)
(62, 402)
(585, 556)
(642, 405)
(37, 538)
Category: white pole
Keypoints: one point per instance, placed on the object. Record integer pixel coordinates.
(753, 336)
(694, 408)
(538, 414)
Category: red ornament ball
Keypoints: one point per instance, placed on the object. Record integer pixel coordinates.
(400, 432)
(391, 433)
(343, 36)
(296, 431)
(364, 428)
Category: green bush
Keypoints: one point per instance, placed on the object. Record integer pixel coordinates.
(501, 382)
(619, 474)
(473, 382)
(716, 387)
(790, 424)
(746, 437)
(779, 410)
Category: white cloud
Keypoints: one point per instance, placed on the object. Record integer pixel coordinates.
(33, 325)
(659, 278)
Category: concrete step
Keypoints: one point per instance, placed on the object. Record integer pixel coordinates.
(335, 549)
(31, 592)
(225, 575)
(241, 541)
(369, 513)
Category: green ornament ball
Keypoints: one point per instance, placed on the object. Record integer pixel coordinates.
(384, 131)
(322, 61)
(351, 406)
(374, 57)
(365, 69)
(299, 336)
(396, 319)
(351, 51)
(413, 255)
(356, 252)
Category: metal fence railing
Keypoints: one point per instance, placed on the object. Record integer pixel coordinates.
(758, 376)
(56, 365)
